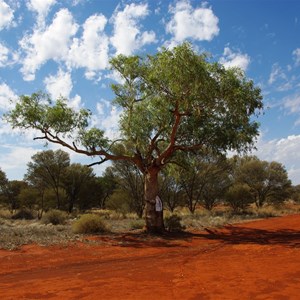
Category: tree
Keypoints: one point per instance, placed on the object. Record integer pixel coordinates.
(268, 181)
(73, 179)
(3, 185)
(204, 179)
(47, 167)
(11, 193)
(130, 179)
(175, 100)
(239, 197)
(171, 191)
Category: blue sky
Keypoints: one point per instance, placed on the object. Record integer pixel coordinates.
(63, 47)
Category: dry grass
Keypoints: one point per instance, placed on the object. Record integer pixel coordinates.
(18, 233)
(15, 233)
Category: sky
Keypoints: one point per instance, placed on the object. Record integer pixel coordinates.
(63, 47)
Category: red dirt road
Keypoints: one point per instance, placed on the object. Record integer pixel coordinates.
(257, 260)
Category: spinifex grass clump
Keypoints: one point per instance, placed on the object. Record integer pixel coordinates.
(55, 217)
(89, 223)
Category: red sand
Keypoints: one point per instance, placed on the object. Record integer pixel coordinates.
(257, 260)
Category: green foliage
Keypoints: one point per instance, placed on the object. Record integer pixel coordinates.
(37, 111)
(173, 223)
(23, 214)
(46, 171)
(214, 105)
(54, 217)
(89, 223)
(137, 224)
(268, 181)
(129, 179)
(119, 201)
(74, 178)
(239, 197)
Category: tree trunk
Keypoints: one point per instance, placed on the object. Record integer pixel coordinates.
(154, 216)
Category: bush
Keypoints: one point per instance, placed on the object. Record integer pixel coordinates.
(89, 223)
(23, 214)
(55, 217)
(239, 197)
(173, 223)
(137, 224)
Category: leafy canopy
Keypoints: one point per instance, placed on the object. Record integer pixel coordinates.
(175, 100)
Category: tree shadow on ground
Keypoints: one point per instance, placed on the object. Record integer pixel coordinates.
(243, 235)
(228, 235)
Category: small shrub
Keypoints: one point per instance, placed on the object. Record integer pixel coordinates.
(239, 197)
(173, 223)
(89, 223)
(23, 214)
(137, 224)
(55, 217)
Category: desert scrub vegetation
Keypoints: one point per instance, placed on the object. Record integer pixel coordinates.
(55, 217)
(89, 223)
(17, 232)
(173, 223)
(14, 234)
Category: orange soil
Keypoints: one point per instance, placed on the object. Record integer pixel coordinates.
(256, 260)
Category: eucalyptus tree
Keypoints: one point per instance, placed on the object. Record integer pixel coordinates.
(174, 100)
(171, 190)
(130, 179)
(75, 176)
(47, 168)
(268, 181)
(204, 179)
(3, 181)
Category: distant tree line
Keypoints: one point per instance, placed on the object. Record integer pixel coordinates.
(203, 179)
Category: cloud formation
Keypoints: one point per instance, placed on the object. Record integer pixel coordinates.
(6, 15)
(127, 36)
(232, 59)
(59, 85)
(296, 54)
(91, 51)
(6, 94)
(199, 24)
(41, 8)
(50, 43)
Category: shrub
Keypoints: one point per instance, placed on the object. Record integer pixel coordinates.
(55, 217)
(239, 197)
(89, 223)
(137, 224)
(23, 214)
(173, 223)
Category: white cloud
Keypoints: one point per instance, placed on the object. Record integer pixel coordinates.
(49, 43)
(6, 15)
(285, 151)
(7, 56)
(91, 51)
(6, 94)
(231, 59)
(41, 7)
(296, 54)
(14, 162)
(276, 73)
(3, 55)
(59, 84)
(199, 24)
(76, 102)
(127, 36)
(292, 104)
